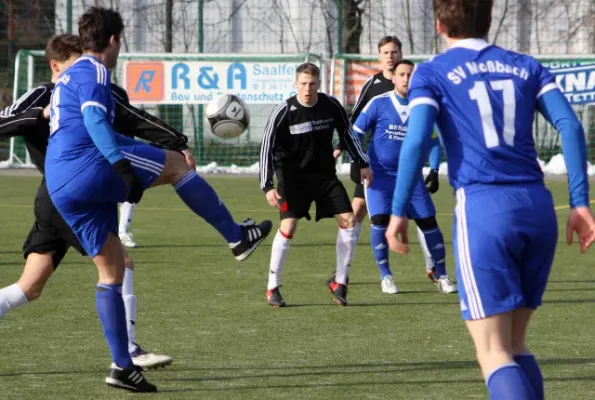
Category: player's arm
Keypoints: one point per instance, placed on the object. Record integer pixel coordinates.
(266, 160)
(131, 121)
(348, 138)
(555, 108)
(432, 182)
(423, 106)
(362, 101)
(94, 97)
(25, 114)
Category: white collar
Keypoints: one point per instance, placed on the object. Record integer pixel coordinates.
(471, 44)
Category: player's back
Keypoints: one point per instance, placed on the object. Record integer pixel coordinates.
(71, 149)
(487, 97)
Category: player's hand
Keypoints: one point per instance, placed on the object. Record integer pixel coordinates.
(366, 176)
(580, 220)
(189, 159)
(46, 112)
(432, 182)
(273, 198)
(337, 153)
(135, 186)
(398, 226)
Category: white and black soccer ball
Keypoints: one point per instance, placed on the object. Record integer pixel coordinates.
(228, 116)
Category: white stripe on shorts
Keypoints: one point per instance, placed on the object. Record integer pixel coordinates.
(475, 305)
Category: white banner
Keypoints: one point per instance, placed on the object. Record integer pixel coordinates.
(197, 82)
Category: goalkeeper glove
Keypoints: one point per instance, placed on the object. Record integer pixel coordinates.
(432, 182)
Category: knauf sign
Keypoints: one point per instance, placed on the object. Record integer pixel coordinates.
(576, 79)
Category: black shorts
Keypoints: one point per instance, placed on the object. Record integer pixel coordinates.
(329, 194)
(50, 233)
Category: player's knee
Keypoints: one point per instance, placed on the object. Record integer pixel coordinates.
(288, 227)
(346, 221)
(359, 208)
(427, 224)
(175, 166)
(33, 292)
(380, 219)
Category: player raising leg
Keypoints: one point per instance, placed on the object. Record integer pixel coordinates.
(484, 99)
(50, 237)
(83, 146)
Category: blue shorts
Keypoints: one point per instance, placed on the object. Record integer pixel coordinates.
(504, 240)
(379, 198)
(89, 202)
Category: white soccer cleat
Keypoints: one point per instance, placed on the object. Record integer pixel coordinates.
(388, 285)
(445, 285)
(146, 360)
(127, 240)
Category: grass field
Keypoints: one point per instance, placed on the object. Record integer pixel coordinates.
(209, 312)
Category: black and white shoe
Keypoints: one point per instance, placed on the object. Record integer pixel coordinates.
(129, 378)
(253, 234)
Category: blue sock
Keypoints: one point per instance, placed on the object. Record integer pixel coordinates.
(531, 369)
(380, 249)
(110, 308)
(435, 243)
(509, 382)
(200, 197)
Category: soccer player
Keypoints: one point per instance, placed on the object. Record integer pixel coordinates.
(483, 99)
(90, 168)
(50, 237)
(386, 117)
(389, 53)
(297, 146)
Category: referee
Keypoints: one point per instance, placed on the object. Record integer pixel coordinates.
(297, 147)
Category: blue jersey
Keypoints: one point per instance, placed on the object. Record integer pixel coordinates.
(486, 99)
(71, 149)
(385, 116)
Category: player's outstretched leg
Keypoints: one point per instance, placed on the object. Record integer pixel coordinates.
(140, 357)
(345, 248)
(201, 198)
(126, 214)
(432, 242)
(379, 246)
(122, 374)
(279, 251)
(38, 270)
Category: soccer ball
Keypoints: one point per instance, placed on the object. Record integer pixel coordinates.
(228, 116)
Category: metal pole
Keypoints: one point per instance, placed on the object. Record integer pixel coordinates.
(199, 136)
(340, 28)
(69, 16)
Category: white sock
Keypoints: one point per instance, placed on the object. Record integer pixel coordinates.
(126, 213)
(130, 306)
(279, 251)
(358, 229)
(346, 242)
(425, 250)
(11, 297)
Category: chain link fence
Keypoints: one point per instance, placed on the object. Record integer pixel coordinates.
(334, 30)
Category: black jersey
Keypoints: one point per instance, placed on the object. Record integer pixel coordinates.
(25, 118)
(298, 140)
(374, 86)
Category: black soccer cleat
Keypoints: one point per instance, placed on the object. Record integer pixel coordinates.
(332, 278)
(253, 235)
(129, 378)
(274, 298)
(339, 292)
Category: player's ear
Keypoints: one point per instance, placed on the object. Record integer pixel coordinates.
(54, 66)
(439, 27)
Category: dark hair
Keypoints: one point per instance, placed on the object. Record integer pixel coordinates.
(62, 47)
(390, 39)
(464, 18)
(308, 68)
(403, 62)
(97, 26)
